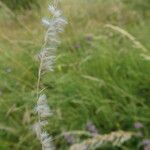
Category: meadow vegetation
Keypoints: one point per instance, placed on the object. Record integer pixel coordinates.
(102, 72)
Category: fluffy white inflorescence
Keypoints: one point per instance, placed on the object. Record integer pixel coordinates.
(42, 108)
(46, 141)
(43, 111)
(54, 27)
(43, 136)
(37, 128)
(47, 58)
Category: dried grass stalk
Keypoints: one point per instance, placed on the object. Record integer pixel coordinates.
(114, 138)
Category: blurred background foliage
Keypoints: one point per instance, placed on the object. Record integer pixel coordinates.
(101, 75)
(16, 5)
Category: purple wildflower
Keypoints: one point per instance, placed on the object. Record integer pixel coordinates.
(138, 125)
(69, 138)
(91, 128)
(77, 46)
(145, 142)
(89, 38)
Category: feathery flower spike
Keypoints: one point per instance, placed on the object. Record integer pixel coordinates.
(47, 57)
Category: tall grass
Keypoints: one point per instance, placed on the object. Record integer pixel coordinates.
(101, 76)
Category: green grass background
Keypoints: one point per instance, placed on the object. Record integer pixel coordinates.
(100, 75)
